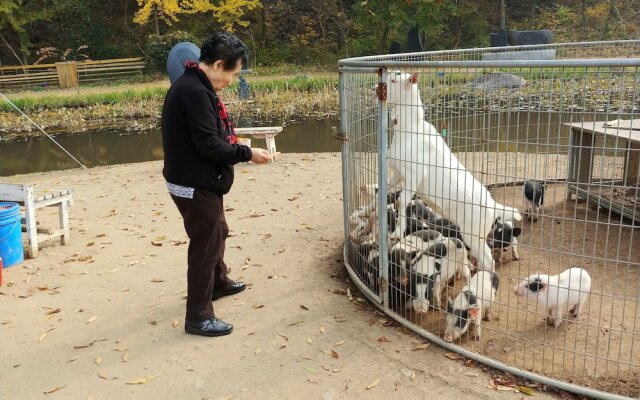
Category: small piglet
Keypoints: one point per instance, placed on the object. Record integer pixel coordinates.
(502, 237)
(474, 300)
(418, 216)
(533, 192)
(439, 264)
(557, 292)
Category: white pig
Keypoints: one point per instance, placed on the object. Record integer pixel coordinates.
(557, 292)
(470, 304)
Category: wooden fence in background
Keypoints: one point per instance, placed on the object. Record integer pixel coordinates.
(69, 74)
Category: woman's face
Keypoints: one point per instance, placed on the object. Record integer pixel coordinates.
(218, 76)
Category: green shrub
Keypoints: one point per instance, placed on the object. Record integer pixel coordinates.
(158, 46)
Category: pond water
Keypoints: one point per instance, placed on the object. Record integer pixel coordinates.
(514, 132)
(111, 146)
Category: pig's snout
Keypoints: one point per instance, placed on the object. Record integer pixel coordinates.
(448, 338)
(516, 290)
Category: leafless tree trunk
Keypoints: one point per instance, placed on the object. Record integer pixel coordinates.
(6, 43)
(383, 39)
(155, 20)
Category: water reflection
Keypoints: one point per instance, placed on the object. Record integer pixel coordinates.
(116, 146)
(516, 131)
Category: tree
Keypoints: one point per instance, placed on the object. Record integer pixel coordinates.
(398, 16)
(14, 16)
(227, 12)
(166, 10)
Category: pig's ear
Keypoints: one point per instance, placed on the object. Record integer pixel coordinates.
(413, 78)
(473, 312)
(516, 232)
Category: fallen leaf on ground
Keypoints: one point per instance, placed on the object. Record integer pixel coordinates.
(340, 343)
(53, 390)
(309, 340)
(101, 375)
(55, 311)
(141, 381)
(322, 329)
(335, 354)
(421, 346)
(296, 323)
(258, 306)
(304, 307)
(258, 350)
(409, 373)
(383, 339)
(125, 356)
(526, 390)
(470, 363)
(90, 320)
(373, 384)
(453, 356)
(311, 369)
(98, 360)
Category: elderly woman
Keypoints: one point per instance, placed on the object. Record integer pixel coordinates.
(200, 150)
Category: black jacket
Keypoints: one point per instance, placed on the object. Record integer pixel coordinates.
(198, 150)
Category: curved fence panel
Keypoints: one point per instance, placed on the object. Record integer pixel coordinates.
(504, 223)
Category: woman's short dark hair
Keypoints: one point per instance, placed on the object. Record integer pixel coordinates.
(226, 47)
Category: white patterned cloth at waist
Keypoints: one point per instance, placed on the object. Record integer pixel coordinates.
(180, 191)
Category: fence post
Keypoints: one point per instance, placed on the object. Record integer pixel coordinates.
(67, 74)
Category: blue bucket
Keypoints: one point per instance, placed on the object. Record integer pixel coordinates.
(11, 250)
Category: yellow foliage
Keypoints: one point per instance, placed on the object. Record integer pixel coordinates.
(598, 12)
(167, 10)
(226, 12)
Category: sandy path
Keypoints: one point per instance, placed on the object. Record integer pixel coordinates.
(121, 300)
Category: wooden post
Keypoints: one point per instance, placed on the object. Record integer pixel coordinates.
(67, 74)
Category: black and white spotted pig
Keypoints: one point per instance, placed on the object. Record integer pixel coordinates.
(440, 263)
(502, 238)
(533, 192)
(472, 302)
(419, 216)
(555, 293)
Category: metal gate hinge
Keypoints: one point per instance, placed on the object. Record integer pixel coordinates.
(381, 91)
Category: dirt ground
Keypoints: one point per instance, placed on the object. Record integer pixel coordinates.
(102, 317)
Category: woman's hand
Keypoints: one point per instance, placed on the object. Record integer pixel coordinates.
(260, 156)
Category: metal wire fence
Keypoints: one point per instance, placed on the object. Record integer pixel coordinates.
(470, 139)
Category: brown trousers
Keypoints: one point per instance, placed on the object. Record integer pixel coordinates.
(207, 229)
